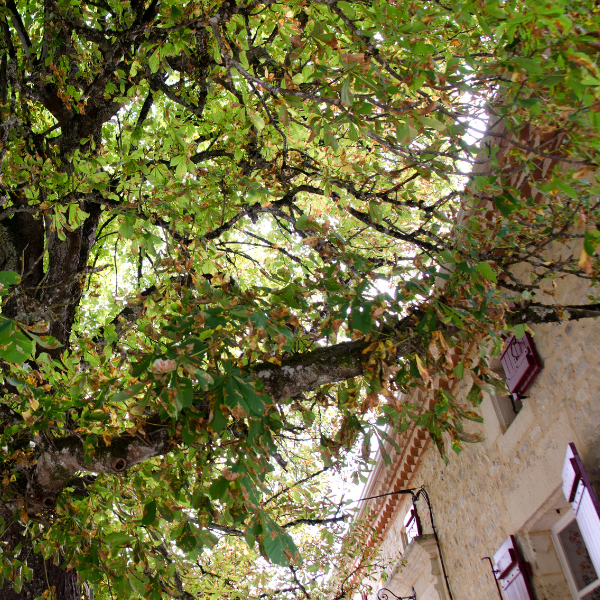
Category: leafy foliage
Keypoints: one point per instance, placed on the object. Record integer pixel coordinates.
(233, 235)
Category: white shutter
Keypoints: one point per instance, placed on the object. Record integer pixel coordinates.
(579, 492)
(511, 571)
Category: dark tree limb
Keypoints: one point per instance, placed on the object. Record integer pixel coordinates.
(535, 313)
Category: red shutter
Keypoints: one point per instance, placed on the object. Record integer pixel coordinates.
(512, 572)
(521, 363)
(579, 492)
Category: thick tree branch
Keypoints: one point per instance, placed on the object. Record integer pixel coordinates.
(306, 372)
(18, 24)
(535, 313)
(61, 458)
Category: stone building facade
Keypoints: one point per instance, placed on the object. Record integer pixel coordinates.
(510, 484)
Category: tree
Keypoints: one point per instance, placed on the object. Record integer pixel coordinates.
(232, 232)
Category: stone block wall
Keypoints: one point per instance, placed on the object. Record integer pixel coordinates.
(510, 483)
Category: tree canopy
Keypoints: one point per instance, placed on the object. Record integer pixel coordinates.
(232, 234)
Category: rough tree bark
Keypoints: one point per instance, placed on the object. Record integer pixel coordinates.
(45, 573)
(50, 295)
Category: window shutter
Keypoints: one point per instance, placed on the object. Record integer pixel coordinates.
(511, 571)
(579, 492)
(521, 363)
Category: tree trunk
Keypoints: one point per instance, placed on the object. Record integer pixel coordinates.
(23, 241)
(46, 575)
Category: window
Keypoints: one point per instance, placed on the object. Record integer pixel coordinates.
(412, 525)
(505, 407)
(519, 364)
(575, 559)
(579, 492)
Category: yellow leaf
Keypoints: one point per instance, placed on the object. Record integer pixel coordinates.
(422, 370)
(585, 262)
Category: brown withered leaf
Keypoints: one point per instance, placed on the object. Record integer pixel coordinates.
(311, 241)
(452, 357)
(371, 401)
(163, 366)
(585, 262)
(297, 41)
(337, 324)
(238, 413)
(347, 57)
(434, 350)
(429, 108)
(229, 475)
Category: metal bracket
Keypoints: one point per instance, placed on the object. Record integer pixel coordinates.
(385, 594)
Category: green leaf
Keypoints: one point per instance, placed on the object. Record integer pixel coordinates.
(154, 61)
(8, 279)
(185, 393)
(591, 241)
(363, 108)
(256, 119)
(149, 513)
(485, 269)
(278, 546)
(405, 132)
(255, 402)
(176, 12)
(218, 488)
(506, 204)
(117, 538)
(459, 370)
(427, 323)
(361, 317)
(474, 395)
(46, 341)
(346, 94)
(127, 228)
(519, 330)
(15, 346)
(375, 212)
(530, 66)
(431, 122)
(219, 421)
(302, 222)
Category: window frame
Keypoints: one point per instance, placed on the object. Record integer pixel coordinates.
(561, 524)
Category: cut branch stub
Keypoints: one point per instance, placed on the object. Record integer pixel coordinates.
(48, 502)
(118, 464)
